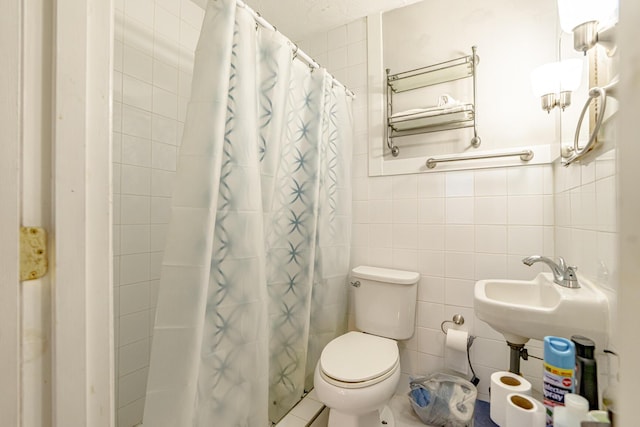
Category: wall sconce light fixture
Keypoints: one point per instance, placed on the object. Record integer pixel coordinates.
(554, 82)
(590, 21)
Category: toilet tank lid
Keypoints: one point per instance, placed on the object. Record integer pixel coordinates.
(385, 275)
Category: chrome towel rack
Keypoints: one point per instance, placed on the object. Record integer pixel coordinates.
(525, 156)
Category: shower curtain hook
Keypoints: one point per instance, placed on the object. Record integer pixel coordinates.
(295, 51)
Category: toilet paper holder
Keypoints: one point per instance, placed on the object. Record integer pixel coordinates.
(457, 319)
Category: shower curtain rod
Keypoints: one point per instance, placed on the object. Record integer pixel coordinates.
(297, 52)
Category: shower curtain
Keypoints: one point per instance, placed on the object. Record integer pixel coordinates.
(253, 281)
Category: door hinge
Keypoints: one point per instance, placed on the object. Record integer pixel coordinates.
(33, 253)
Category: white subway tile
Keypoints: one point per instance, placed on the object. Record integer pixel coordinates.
(135, 180)
(131, 414)
(167, 24)
(137, 64)
(136, 151)
(162, 183)
(525, 180)
(135, 209)
(164, 156)
(491, 210)
(431, 185)
(459, 292)
(380, 211)
(136, 93)
(380, 188)
(405, 236)
(525, 240)
(525, 210)
(132, 387)
(160, 210)
(165, 76)
(430, 341)
(158, 237)
(431, 211)
(359, 235)
(491, 182)
(459, 210)
(459, 184)
(431, 289)
(134, 298)
(459, 238)
(404, 187)
(164, 129)
(188, 36)
(429, 315)
(405, 259)
(191, 13)
(134, 268)
(136, 122)
(134, 327)
(491, 239)
(337, 37)
(140, 10)
(337, 59)
(405, 211)
(431, 263)
(357, 30)
(491, 266)
(165, 103)
(134, 239)
(431, 237)
(460, 265)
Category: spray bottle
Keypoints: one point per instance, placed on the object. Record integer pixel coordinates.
(586, 370)
(558, 380)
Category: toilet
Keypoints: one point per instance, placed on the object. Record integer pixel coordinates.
(358, 372)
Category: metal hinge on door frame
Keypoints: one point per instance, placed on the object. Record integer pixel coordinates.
(33, 253)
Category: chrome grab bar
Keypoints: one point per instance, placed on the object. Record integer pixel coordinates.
(524, 155)
(599, 93)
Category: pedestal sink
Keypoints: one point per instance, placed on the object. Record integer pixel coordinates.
(522, 310)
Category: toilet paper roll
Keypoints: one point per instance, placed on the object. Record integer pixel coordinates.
(457, 340)
(456, 351)
(524, 411)
(502, 384)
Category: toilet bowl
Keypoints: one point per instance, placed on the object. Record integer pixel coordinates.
(358, 372)
(356, 376)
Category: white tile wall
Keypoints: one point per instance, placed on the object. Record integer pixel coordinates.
(454, 228)
(153, 61)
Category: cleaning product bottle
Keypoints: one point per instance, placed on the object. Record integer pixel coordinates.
(573, 412)
(610, 394)
(586, 370)
(558, 379)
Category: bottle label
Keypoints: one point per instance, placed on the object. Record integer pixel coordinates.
(556, 383)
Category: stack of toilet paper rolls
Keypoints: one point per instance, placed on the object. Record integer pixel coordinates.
(512, 404)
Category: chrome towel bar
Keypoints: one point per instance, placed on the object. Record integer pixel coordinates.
(524, 155)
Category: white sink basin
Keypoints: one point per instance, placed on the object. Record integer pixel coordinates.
(522, 310)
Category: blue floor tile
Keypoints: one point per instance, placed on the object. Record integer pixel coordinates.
(481, 416)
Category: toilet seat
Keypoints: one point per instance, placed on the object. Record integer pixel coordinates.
(357, 360)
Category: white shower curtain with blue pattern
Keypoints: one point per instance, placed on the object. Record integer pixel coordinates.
(253, 281)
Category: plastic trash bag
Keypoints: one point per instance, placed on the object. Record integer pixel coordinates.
(443, 400)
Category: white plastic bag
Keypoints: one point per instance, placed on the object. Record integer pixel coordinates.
(446, 400)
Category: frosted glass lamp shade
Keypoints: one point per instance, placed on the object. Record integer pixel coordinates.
(576, 12)
(570, 74)
(546, 79)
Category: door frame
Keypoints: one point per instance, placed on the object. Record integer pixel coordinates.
(10, 123)
(82, 297)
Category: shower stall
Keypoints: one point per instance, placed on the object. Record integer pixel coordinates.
(231, 166)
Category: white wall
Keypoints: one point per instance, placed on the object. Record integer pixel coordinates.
(153, 62)
(458, 227)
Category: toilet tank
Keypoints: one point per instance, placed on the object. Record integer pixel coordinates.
(385, 301)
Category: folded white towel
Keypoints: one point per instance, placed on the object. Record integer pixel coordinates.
(446, 104)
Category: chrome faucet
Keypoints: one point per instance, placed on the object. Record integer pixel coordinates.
(563, 274)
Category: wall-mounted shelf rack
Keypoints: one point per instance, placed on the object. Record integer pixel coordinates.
(446, 117)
